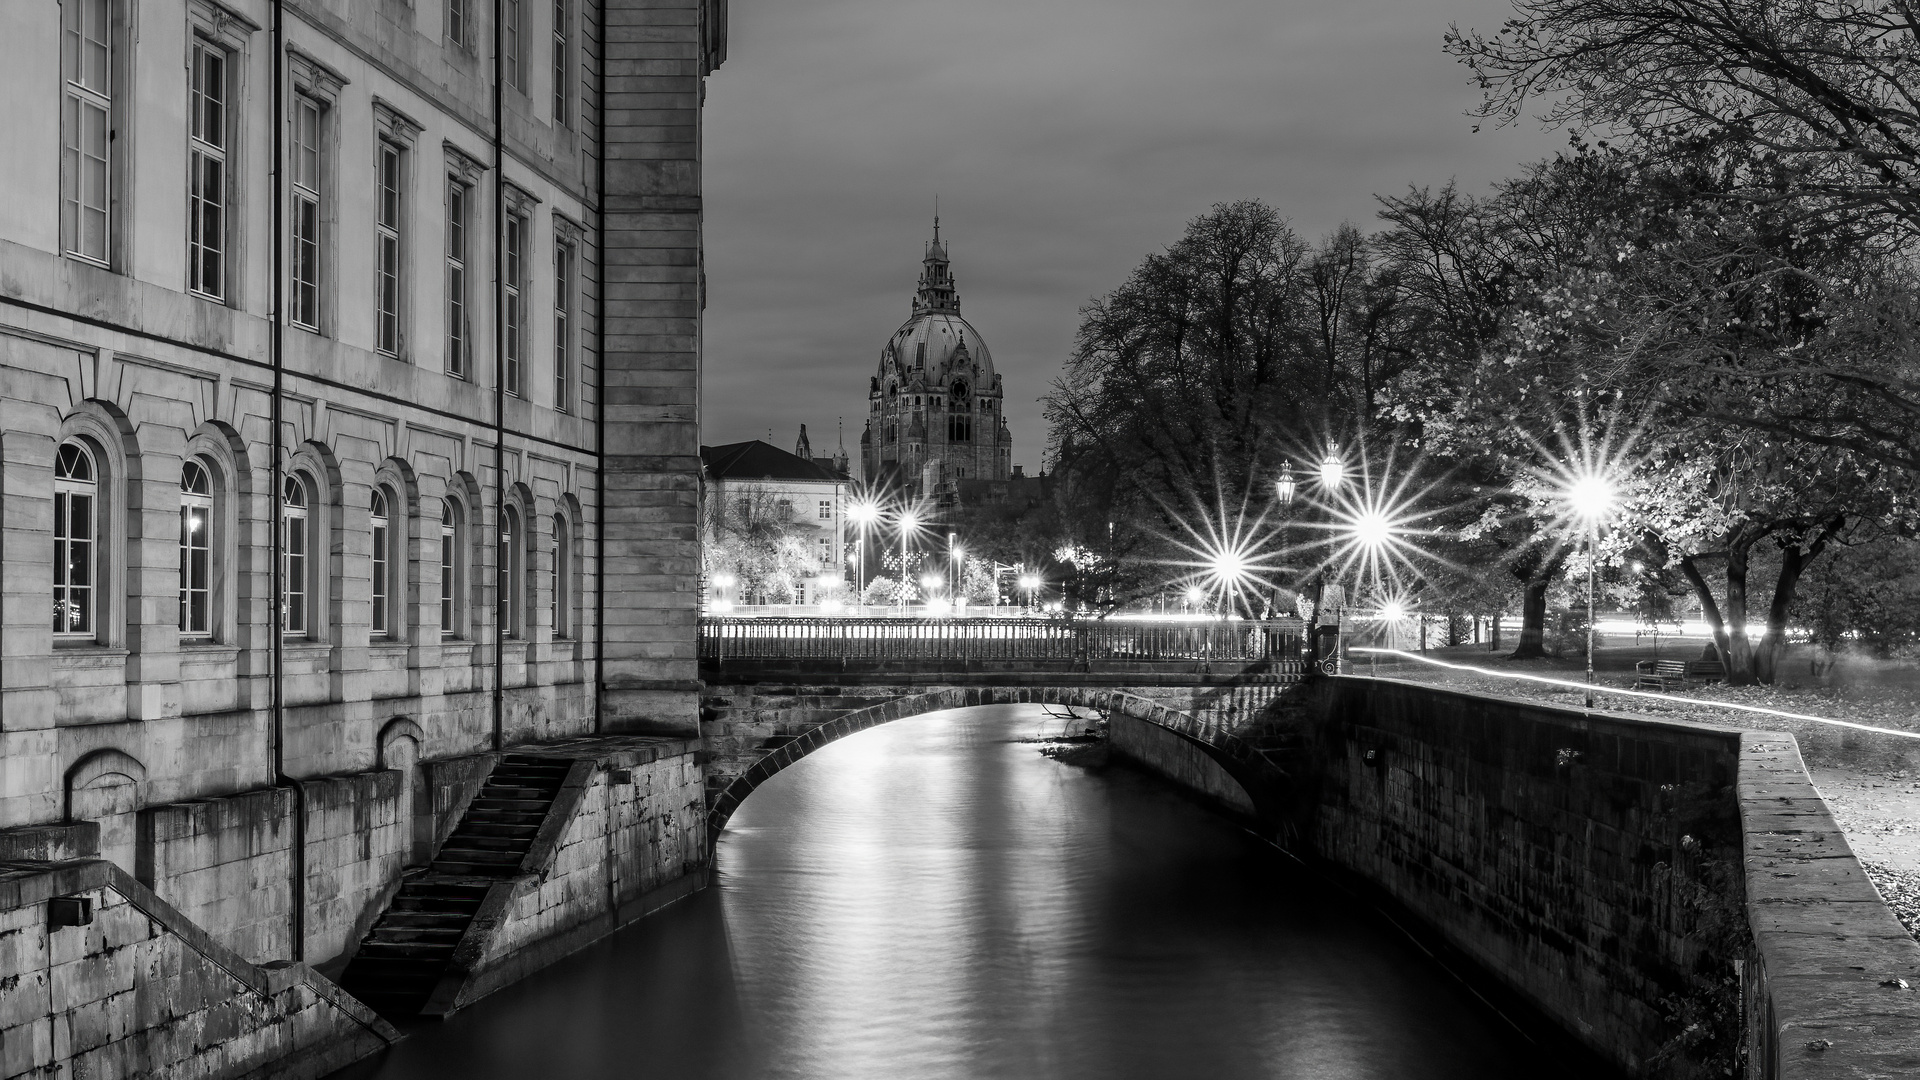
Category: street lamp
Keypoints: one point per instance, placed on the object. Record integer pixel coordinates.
(1332, 469)
(1590, 496)
(1284, 487)
(862, 513)
(909, 522)
(1031, 584)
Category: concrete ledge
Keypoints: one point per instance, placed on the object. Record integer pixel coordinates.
(50, 843)
(1838, 974)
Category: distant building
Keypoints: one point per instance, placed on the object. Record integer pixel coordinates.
(836, 461)
(753, 489)
(934, 407)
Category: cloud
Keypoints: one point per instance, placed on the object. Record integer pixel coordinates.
(1065, 140)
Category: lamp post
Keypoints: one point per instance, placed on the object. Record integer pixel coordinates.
(1332, 473)
(862, 513)
(1283, 490)
(954, 554)
(1591, 495)
(909, 521)
(1031, 584)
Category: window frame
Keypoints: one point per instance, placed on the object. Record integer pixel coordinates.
(200, 504)
(459, 19)
(565, 252)
(79, 91)
(389, 246)
(513, 43)
(380, 591)
(513, 244)
(201, 153)
(561, 576)
(297, 577)
(459, 229)
(509, 611)
(306, 232)
(66, 489)
(452, 569)
(562, 43)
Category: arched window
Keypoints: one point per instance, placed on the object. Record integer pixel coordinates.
(296, 558)
(75, 553)
(196, 550)
(562, 602)
(450, 565)
(382, 566)
(509, 575)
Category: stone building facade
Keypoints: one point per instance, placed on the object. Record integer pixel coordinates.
(349, 364)
(934, 407)
(760, 496)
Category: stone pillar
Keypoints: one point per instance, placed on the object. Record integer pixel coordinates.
(657, 54)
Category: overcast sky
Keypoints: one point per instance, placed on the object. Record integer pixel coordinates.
(1065, 139)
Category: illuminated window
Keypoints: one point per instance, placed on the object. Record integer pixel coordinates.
(196, 550)
(382, 566)
(75, 554)
(296, 558)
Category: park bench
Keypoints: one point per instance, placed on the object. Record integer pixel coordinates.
(1707, 671)
(1661, 675)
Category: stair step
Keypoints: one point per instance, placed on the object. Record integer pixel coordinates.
(534, 806)
(437, 951)
(415, 935)
(406, 917)
(463, 840)
(479, 870)
(498, 828)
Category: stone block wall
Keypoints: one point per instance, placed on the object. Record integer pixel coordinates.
(1178, 759)
(227, 865)
(1590, 862)
(357, 841)
(143, 992)
(627, 835)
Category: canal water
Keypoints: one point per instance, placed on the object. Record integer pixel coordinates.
(936, 899)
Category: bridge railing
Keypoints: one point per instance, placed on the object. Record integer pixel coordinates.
(1033, 640)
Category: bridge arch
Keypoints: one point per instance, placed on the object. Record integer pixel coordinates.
(1264, 783)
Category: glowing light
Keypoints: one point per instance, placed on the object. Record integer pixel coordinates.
(938, 606)
(1393, 611)
(1590, 496)
(908, 520)
(863, 512)
(1332, 470)
(724, 580)
(1030, 582)
(1196, 594)
(722, 606)
(1372, 528)
(1283, 487)
(929, 581)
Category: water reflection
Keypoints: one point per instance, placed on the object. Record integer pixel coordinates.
(934, 899)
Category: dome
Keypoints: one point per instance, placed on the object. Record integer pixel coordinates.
(952, 348)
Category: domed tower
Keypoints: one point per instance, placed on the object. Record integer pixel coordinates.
(934, 408)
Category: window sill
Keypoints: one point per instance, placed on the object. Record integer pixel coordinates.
(389, 645)
(203, 649)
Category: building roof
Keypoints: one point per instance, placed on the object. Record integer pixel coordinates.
(756, 460)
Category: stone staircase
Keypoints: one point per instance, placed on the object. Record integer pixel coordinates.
(403, 957)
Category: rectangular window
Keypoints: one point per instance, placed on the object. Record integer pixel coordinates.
(207, 171)
(457, 29)
(294, 570)
(196, 528)
(387, 253)
(381, 590)
(457, 199)
(515, 48)
(307, 114)
(515, 241)
(562, 70)
(826, 510)
(447, 579)
(506, 579)
(73, 560)
(562, 323)
(86, 129)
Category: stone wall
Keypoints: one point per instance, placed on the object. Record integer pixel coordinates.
(141, 991)
(356, 844)
(227, 865)
(626, 836)
(1178, 759)
(1590, 862)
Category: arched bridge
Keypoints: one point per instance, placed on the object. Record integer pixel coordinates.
(778, 689)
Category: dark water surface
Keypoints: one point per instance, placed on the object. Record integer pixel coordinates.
(935, 899)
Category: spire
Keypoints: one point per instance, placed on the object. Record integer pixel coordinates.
(938, 291)
(803, 448)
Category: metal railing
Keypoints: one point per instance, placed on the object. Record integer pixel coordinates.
(940, 640)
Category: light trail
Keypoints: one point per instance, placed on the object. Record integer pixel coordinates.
(1761, 709)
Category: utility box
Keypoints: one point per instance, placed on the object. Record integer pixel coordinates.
(69, 911)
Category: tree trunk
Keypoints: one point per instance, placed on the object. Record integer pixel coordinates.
(1739, 646)
(1494, 634)
(1533, 619)
(1793, 563)
(1709, 608)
